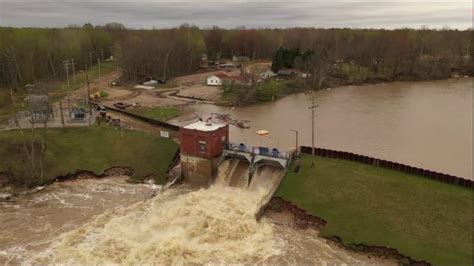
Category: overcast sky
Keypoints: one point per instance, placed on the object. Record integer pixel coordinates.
(251, 14)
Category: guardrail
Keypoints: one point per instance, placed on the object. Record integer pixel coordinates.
(450, 179)
(142, 118)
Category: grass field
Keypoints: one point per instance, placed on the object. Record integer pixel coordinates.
(94, 149)
(270, 90)
(422, 218)
(158, 113)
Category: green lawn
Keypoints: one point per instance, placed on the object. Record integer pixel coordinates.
(158, 113)
(270, 91)
(94, 149)
(422, 218)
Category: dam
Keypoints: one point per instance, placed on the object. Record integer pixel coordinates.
(208, 158)
(107, 221)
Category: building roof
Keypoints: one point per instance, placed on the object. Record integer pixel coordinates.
(203, 126)
(224, 76)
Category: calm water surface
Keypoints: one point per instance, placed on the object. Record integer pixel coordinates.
(423, 124)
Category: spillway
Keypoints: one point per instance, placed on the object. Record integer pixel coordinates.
(233, 172)
(265, 181)
(262, 182)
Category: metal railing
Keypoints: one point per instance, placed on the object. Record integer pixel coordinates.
(264, 151)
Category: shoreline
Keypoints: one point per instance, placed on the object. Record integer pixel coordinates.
(336, 85)
(16, 191)
(303, 220)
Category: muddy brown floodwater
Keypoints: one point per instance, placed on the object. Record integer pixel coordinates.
(107, 221)
(423, 124)
(29, 223)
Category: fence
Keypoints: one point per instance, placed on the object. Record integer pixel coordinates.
(144, 119)
(390, 165)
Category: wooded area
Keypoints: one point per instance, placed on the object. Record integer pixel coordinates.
(31, 54)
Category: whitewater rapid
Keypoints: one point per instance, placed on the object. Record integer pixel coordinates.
(108, 221)
(215, 225)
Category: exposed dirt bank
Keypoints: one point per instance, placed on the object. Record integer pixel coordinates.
(302, 220)
(6, 188)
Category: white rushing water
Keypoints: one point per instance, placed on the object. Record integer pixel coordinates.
(107, 221)
(216, 225)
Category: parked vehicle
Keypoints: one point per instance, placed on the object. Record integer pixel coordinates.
(121, 105)
(102, 110)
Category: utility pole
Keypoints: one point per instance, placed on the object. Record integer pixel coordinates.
(88, 97)
(90, 58)
(61, 112)
(98, 62)
(52, 66)
(67, 64)
(164, 68)
(312, 108)
(73, 72)
(296, 143)
(87, 87)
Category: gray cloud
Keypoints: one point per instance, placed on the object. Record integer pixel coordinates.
(360, 14)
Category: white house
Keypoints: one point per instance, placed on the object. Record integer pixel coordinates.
(214, 81)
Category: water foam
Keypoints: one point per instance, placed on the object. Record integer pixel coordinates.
(215, 225)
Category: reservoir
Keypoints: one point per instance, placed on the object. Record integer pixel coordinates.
(424, 124)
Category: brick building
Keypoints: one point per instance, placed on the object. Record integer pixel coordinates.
(201, 145)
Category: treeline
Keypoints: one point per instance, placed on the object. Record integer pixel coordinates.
(161, 54)
(367, 53)
(28, 55)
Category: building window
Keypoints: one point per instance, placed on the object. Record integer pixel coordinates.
(223, 142)
(202, 146)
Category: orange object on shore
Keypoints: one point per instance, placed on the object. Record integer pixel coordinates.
(262, 132)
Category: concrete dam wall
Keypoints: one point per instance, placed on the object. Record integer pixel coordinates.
(256, 173)
(233, 172)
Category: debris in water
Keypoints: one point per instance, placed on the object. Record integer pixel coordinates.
(226, 118)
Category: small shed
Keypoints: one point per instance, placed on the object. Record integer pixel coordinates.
(214, 80)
